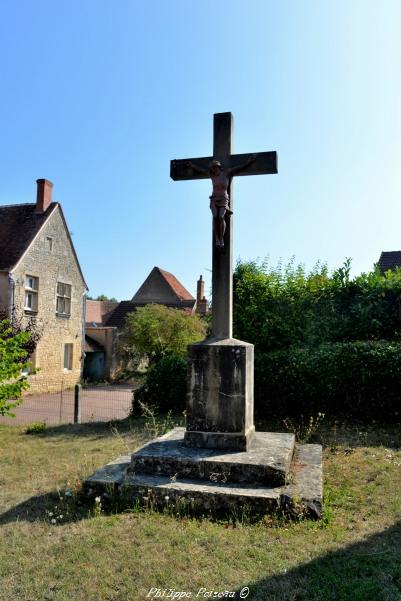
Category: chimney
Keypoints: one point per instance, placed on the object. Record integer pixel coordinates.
(200, 289)
(43, 195)
(201, 301)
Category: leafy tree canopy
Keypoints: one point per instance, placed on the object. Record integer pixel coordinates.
(103, 297)
(156, 331)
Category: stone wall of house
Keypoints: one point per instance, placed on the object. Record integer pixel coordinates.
(51, 259)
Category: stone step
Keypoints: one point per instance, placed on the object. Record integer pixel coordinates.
(303, 492)
(267, 462)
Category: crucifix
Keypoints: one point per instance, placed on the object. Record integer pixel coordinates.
(221, 168)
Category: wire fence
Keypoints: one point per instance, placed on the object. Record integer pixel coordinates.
(97, 403)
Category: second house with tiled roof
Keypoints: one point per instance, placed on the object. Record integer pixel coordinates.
(105, 320)
(41, 280)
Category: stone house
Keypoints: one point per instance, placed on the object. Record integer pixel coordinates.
(105, 320)
(41, 280)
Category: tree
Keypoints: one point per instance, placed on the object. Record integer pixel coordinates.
(103, 297)
(13, 355)
(157, 331)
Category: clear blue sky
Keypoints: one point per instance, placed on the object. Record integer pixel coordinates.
(98, 96)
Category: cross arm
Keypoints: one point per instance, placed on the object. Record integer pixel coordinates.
(180, 170)
(264, 163)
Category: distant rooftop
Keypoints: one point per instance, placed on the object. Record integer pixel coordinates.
(98, 312)
(389, 260)
(160, 287)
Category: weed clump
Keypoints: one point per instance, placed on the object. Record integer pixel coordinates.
(36, 428)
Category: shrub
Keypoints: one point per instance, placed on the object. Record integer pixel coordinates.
(360, 380)
(164, 386)
(157, 331)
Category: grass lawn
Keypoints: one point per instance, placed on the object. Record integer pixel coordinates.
(353, 554)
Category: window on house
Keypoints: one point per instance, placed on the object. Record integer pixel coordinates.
(49, 243)
(68, 357)
(29, 367)
(31, 293)
(63, 304)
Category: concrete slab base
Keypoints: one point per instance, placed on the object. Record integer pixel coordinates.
(302, 490)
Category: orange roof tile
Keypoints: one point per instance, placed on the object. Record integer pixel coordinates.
(99, 311)
(177, 287)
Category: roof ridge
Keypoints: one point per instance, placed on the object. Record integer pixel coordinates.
(177, 287)
(17, 204)
(95, 300)
(26, 204)
(164, 271)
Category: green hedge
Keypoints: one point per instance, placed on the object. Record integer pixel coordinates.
(353, 380)
(360, 380)
(165, 385)
(279, 308)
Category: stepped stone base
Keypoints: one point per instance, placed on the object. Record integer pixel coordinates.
(220, 440)
(274, 474)
(267, 462)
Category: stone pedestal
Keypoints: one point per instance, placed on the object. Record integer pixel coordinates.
(220, 395)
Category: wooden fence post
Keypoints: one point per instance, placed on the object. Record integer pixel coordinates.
(77, 404)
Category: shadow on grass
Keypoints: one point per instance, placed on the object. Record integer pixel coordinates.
(129, 425)
(365, 571)
(345, 433)
(333, 434)
(93, 429)
(45, 508)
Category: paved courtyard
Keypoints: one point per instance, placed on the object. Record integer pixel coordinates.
(98, 403)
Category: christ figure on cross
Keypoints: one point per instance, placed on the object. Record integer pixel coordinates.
(220, 199)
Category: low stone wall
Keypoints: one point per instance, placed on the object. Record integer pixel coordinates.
(40, 384)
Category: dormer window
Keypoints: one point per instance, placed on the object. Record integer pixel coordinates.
(63, 303)
(31, 294)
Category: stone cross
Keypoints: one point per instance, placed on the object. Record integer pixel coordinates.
(261, 163)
